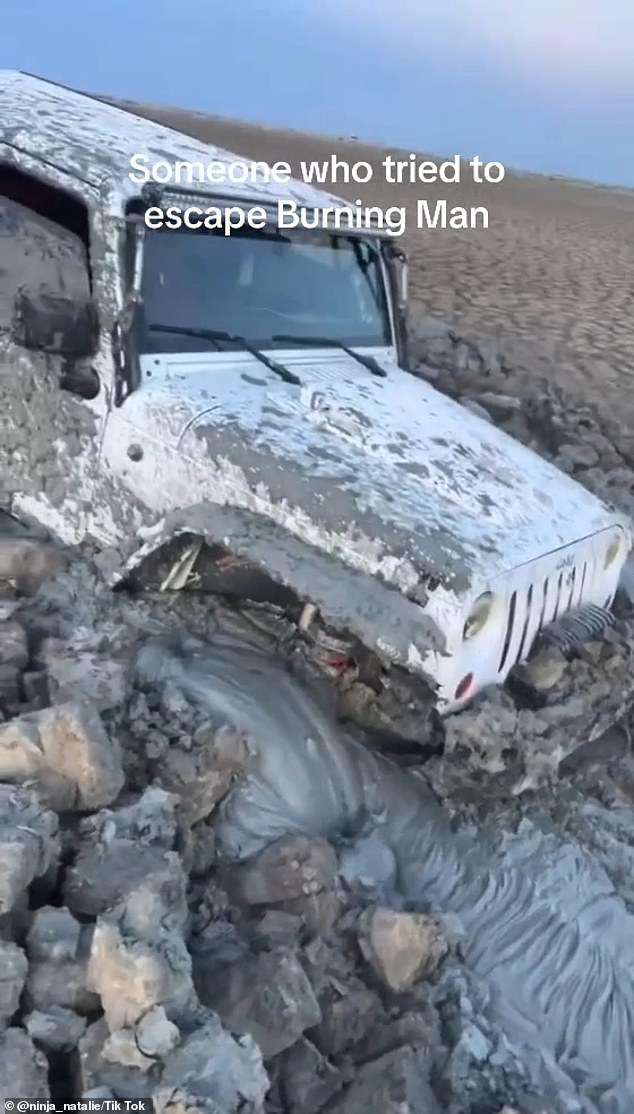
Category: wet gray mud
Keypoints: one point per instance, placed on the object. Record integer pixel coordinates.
(545, 932)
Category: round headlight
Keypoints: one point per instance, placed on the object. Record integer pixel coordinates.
(478, 616)
(612, 552)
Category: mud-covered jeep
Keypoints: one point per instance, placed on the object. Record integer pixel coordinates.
(235, 414)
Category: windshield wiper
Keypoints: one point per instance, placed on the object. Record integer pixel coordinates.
(219, 336)
(330, 342)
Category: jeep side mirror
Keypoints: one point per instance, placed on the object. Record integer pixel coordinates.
(55, 323)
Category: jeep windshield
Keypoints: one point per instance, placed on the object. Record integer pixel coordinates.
(261, 286)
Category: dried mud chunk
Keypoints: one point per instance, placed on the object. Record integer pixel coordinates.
(150, 883)
(63, 984)
(214, 1066)
(57, 1030)
(297, 874)
(13, 645)
(29, 843)
(130, 975)
(268, 996)
(77, 672)
(94, 1074)
(54, 935)
(13, 968)
(149, 820)
(67, 751)
(156, 1036)
(202, 769)
(308, 1079)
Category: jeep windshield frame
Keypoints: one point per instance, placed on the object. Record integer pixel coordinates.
(261, 284)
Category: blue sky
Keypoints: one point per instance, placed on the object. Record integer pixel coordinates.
(543, 85)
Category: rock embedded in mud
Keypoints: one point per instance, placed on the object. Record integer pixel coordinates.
(79, 672)
(23, 1068)
(401, 947)
(13, 969)
(29, 843)
(58, 1030)
(267, 996)
(67, 752)
(396, 1083)
(202, 772)
(295, 873)
(132, 975)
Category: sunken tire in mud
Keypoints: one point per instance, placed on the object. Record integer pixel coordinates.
(393, 707)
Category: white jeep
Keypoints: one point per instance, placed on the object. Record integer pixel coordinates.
(236, 413)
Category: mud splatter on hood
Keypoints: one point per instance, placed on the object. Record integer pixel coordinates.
(440, 486)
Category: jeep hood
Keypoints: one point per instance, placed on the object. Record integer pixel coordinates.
(389, 474)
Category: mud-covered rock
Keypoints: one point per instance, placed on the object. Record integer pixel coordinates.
(214, 1066)
(29, 843)
(54, 935)
(308, 1081)
(94, 1073)
(156, 1036)
(148, 819)
(23, 1068)
(296, 874)
(66, 751)
(63, 984)
(131, 975)
(58, 948)
(201, 768)
(77, 671)
(401, 947)
(148, 881)
(268, 996)
(396, 1083)
(349, 1008)
(10, 690)
(14, 650)
(13, 969)
(58, 1030)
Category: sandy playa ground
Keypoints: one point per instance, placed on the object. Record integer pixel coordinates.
(550, 282)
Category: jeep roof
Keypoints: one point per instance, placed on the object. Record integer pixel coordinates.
(94, 142)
